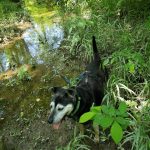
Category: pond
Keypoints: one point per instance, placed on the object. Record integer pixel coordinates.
(34, 42)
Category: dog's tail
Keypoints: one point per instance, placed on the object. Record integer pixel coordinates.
(94, 45)
(97, 59)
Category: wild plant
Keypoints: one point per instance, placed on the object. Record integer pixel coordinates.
(76, 143)
(23, 74)
(139, 134)
(108, 117)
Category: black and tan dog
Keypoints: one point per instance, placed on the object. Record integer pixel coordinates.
(75, 101)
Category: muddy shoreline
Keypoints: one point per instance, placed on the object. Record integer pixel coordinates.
(17, 28)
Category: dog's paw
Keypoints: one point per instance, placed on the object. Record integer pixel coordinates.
(96, 139)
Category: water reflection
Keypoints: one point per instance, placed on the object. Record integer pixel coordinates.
(35, 41)
(3, 62)
(13, 56)
(54, 35)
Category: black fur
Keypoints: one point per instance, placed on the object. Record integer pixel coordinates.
(91, 87)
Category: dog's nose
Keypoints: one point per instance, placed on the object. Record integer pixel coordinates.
(50, 120)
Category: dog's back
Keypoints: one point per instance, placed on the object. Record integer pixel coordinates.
(91, 87)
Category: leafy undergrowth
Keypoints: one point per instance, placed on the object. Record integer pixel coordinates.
(122, 31)
(13, 21)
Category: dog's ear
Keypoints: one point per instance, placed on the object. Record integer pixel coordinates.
(70, 91)
(54, 89)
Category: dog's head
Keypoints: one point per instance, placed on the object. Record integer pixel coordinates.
(62, 104)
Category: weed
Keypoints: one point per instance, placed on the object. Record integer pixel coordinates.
(46, 78)
(12, 82)
(139, 129)
(76, 143)
(23, 74)
(122, 31)
(109, 117)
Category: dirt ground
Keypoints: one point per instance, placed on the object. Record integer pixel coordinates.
(24, 109)
(34, 134)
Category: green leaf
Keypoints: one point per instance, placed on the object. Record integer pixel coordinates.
(112, 61)
(95, 109)
(106, 62)
(106, 122)
(124, 122)
(103, 121)
(121, 120)
(132, 68)
(122, 107)
(116, 132)
(81, 24)
(105, 109)
(112, 111)
(87, 116)
(97, 118)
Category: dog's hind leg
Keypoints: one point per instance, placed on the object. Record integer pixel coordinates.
(96, 131)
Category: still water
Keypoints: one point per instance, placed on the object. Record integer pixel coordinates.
(29, 49)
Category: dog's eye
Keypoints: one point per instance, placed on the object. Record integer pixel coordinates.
(59, 109)
(51, 105)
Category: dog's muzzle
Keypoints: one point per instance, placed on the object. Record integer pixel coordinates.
(50, 120)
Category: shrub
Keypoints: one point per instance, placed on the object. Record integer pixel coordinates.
(109, 117)
(139, 133)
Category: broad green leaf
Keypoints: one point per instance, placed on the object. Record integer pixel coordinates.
(122, 114)
(123, 122)
(90, 22)
(116, 132)
(105, 109)
(112, 111)
(87, 116)
(122, 107)
(106, 121)
(97, 118)
(132, 68)
(103, 121)
(108, 110)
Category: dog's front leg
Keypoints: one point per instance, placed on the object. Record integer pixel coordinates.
(81, 128)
